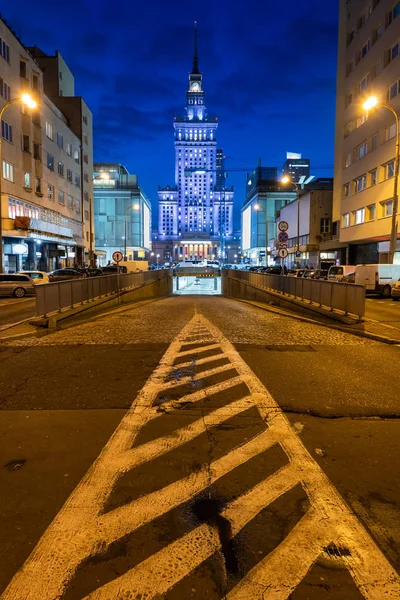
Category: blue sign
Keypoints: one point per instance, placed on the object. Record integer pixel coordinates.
(283, 236)
(298, 254)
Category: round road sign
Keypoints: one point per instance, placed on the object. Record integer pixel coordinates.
(282, 253)
(283, 225)
(283, 237)
(117, 256)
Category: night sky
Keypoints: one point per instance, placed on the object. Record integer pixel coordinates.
(268, 73)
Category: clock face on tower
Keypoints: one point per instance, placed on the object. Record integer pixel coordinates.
(195, 87)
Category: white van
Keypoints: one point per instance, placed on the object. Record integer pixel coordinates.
(378, 278)
(341, 272)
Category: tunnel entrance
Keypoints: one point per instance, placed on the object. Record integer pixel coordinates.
(194, 285)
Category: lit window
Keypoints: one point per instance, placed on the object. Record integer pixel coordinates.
(359, 216)
(387, 208)
(27, 180)
(49, 130)
(8, 171)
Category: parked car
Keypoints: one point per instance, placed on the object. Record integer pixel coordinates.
(89, 271)
(295, 272)
(338, 272)
(65, 274)
(396, 291)
(321, 274)
(37, 277)
(310, 273)
(112, 269)
(378, 278)
(17, 285)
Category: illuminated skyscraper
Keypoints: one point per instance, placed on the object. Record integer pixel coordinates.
(195, 215)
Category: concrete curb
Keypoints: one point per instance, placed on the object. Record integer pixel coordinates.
(366, 334)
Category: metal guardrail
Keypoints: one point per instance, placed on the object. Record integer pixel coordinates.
(348, 298)
(52, 297)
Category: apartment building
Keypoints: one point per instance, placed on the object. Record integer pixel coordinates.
(365, 145)
(44, 185)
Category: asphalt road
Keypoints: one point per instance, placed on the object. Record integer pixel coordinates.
(383, 310)
(259, 460)
(13, 310)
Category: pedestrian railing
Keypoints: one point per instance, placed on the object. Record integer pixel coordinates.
(347, 298)
(51, 297)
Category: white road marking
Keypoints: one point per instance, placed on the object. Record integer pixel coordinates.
(82, 528)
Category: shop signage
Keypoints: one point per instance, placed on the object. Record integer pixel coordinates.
(20, 249)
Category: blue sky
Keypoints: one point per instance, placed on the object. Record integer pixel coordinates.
(268, 69)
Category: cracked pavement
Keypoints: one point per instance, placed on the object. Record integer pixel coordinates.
(63, 395)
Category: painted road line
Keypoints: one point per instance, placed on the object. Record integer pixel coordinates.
(82, 529)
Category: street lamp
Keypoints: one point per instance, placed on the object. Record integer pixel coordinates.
(371, 102)
(104, 176)
(158, 256)
(285, 179)
(30, 103)
(135, 206)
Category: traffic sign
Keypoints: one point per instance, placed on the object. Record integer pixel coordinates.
(298, 254)
(283, 237)
(117, 256)
(282, 252)
(283, 225)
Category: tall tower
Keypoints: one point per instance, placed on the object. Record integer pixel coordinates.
(190, 212)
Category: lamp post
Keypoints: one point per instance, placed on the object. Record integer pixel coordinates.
(135, 206)
(30, 103)
(158, 256)
(104, 176)
(368, 104)
(285, 180)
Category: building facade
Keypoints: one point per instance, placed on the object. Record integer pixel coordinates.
(196, 214)
(365, 148)
(43, 172)
(296, 167)
(264, 199)
(122, 214)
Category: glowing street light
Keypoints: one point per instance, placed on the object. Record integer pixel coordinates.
(370, 103)
(30, 103)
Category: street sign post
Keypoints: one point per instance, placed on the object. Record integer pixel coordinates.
(117, 256)
(283, 237)
(283, 252)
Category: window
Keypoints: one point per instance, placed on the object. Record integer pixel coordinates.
(38, 185)
(393, 52)
(69, 149)
(325, 225)
(389, 169)
(349, 68)
(346, 190)
(372, 176)
(76, 156)
(362, 150)
(374, 141)
(346, 220)
(349, 128)
(77, 181)
(69, 201)
(69, 175)
(377, 33)
(396, 10)
(26, 145)
(377, 68)
(8, 171)
(86, 215)
(364, 83)
(349, 99)
(387, 208)
(50, 161)
(4, 50)
(50, 191)
(359, 216)
(361, 183)
(86, 177)
(85, 139)
(35, 82)
(350, 37)
(390, 132)
(86, 158)
(393, 90)
(5, 90)
(86, 196)
(27, 180)
(6, 131)
(84, 119)
(60, 169)
(22, 69)
(60, 140)
(60, 197)
(370, 214)
(365, 48)
(49, 130)
(36, 151)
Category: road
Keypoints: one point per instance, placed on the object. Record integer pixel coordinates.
(199, 448)
(383, 310)
(13, 310)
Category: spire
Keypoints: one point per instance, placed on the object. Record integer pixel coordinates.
(195, 57)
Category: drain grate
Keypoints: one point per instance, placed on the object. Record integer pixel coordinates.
(290, 348)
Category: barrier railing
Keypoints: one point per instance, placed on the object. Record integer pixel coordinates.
(51, 297)
(348, 298)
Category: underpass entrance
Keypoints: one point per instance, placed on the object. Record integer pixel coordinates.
(197, 281)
